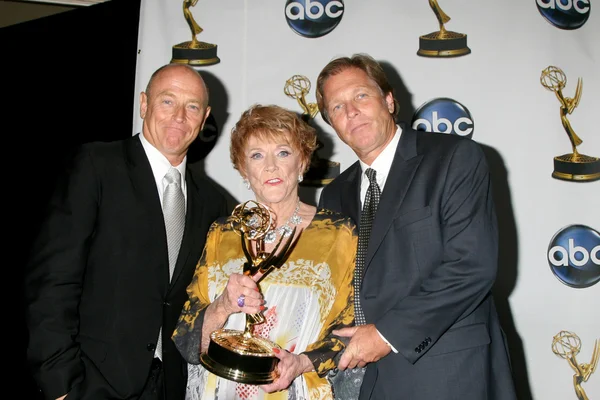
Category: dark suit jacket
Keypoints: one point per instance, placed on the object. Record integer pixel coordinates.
(430, 265)
(97, 285)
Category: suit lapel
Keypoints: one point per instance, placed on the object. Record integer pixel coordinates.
(406, 161)
(144, 185)
(350, 194)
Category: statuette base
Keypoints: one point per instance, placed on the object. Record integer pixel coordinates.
(443, 44)
(198, 53)
(576, 167)
(241, 358)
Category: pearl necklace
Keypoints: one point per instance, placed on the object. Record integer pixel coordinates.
(284, 230)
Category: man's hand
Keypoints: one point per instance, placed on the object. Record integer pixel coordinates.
(366, 346)
(289, 367)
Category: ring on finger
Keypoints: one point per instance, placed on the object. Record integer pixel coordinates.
(241, 301)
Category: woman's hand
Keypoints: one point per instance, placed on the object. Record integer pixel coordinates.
(241, 294)
(289, 367)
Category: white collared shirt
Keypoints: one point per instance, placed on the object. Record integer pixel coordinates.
(160, 165)
(381, 165)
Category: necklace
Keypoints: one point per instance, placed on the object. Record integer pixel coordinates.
(284, 230)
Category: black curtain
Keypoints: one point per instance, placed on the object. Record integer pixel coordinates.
(67, 79)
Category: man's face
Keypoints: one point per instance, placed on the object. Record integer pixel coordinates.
(174, 111)
(359, 112)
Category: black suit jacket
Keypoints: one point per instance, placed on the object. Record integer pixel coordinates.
(97, 285)
(430, 265)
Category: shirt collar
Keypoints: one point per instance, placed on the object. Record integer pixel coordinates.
(160, 165)
(383, 162)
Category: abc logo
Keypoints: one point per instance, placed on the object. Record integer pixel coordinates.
(313, 18)
(443, 115)
(565, 14)
(574, 256)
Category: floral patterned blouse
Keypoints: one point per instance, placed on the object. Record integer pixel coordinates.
(308, 297)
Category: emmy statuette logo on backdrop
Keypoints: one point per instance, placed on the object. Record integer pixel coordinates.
(442, 43)
(567, 345)
(321, 171)
(241, 356)
(194, 52)
(573, 166)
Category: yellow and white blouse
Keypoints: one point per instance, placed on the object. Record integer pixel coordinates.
(308, 297)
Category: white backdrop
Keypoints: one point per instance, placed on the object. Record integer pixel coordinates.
(499, 82)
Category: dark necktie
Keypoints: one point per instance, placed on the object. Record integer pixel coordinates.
(366, 222)
(346, 384)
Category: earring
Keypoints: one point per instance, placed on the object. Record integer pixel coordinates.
(246, 183)
(300, 178)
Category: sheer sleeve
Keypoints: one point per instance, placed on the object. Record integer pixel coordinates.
(342, 258)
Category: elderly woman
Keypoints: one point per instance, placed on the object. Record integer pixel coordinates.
(304, 300)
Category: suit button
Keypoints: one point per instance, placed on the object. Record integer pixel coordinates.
(428, 339)
(418, 349)
(166, 303)
(151, 346)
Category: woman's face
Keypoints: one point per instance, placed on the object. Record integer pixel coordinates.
(272, 166)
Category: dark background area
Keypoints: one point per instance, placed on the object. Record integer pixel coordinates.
(68, 79)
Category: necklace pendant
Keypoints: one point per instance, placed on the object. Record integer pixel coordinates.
(270, 237)
(296, 219)
(286, 231)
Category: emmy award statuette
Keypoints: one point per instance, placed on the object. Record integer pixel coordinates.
(241, 356)
(571, 166)
(321, 171)
(442, 43)
(194, 52)
(567, 345)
